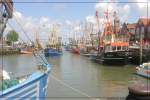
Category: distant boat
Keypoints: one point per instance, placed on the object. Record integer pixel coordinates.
(143, 70)
(87, 50)
(52, 52)
(75, 50)
(53, 47)
(26, 50)
(67, 47)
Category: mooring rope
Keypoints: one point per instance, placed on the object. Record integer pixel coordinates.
(72, 88)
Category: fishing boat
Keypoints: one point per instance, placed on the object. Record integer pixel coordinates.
(53, 47)
(87, 40)
(26, 50)
(67, 47)
(74, 47)
(75, 50)
(113, 45)
(52, 52)
(143, 70)
(31, 86)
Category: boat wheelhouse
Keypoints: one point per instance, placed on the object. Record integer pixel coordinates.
(116, 53)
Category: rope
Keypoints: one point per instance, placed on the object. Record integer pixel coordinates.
(22, 29)
(72, 88)
(28, 38)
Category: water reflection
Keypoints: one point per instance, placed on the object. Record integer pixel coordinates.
(78, 72)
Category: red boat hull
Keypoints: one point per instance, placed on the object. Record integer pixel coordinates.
(76, 50)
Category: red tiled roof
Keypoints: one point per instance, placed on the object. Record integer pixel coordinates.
(145, 21)
(133, 25)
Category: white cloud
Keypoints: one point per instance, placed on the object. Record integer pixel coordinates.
(31, 25)
(141, 7)
(122, 10)
(42, 25)
(68, 22)
(91, 19)
(17, 14)
(141, 3)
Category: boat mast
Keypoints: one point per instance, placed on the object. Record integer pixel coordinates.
(37, 42)
(53, 37)
(91, 35)
(98, 28)
(108, 31)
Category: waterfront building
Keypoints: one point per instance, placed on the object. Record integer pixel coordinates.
(142, 29)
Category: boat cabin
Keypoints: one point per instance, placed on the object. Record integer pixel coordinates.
(145, 65)
(117, 46)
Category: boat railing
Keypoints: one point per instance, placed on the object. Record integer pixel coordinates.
(110, 48)
(34, 85)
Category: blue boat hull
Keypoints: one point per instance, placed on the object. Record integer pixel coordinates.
(51, 52)
(32, 88)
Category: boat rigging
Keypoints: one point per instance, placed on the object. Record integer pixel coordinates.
(34, 85)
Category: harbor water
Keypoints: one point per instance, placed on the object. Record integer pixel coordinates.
(76, 77)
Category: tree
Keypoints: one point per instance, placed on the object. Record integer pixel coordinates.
(12, 36)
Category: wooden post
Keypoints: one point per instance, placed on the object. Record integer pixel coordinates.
(141, 41)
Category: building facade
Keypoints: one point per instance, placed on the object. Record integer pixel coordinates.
(142, 29)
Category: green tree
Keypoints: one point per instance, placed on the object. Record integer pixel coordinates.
(12, 36)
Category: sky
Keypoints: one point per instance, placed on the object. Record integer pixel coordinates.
(39, 17)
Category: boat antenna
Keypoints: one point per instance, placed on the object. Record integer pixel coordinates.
(98, 27)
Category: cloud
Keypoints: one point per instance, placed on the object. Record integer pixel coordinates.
(141, 7)
(31, 25)
(68, 22)
(42, 25)
(91, 19)
(123, 10)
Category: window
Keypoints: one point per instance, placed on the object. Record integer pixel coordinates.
(113, 48)
(124, 48)
(119, 48)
